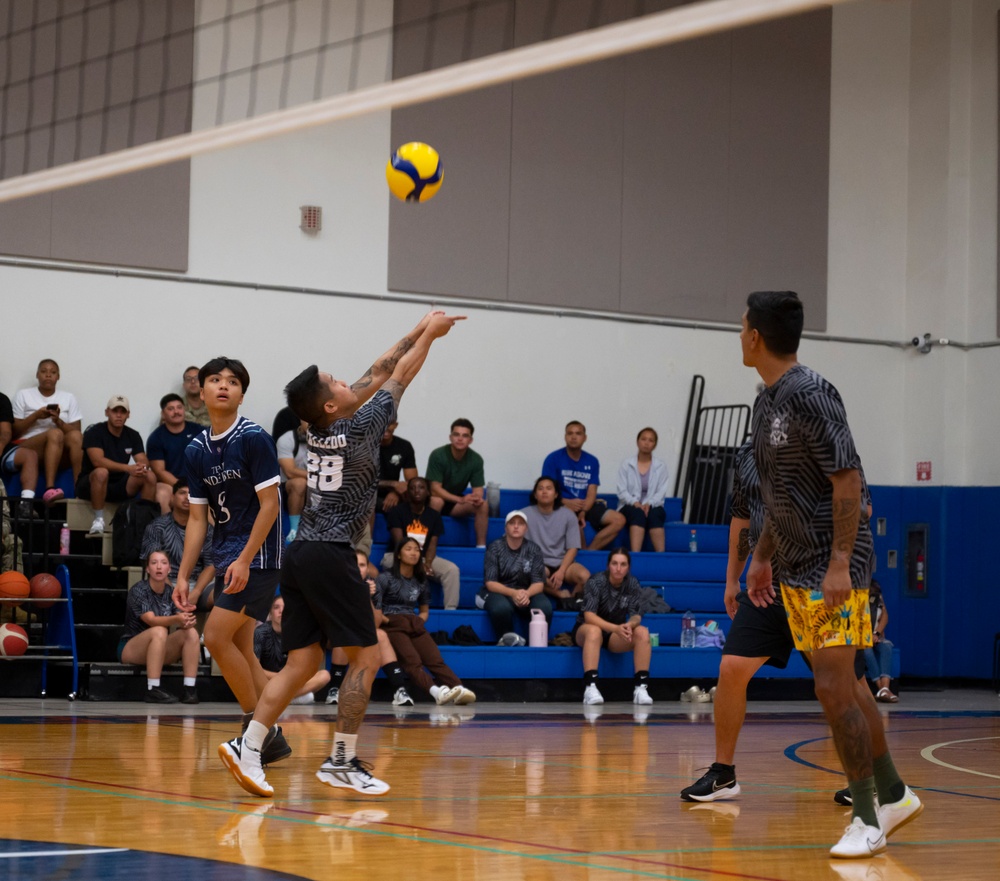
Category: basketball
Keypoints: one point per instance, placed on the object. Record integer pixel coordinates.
(45, 587)
(13, 588)
(414, 172)
(13, 641)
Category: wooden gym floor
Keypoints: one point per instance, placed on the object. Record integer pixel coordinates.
(494, 791)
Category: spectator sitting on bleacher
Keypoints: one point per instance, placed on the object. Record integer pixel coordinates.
(158, 633)
(452, 468)
(47, 421)
(610, 619)
(397, 593)
(642, 487)
(514, 577)
(115, 467)
(414, 518)
(578, 474)
(556, 531)
(165, 448)
(272, 657)
(878, 658)
(387, 655)
(195, 408)
(395, 455)
(292, 454)
(166, 533)
(15, 458)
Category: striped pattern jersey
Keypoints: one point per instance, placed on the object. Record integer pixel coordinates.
(800, 437)
(342, 473)
(614, 604)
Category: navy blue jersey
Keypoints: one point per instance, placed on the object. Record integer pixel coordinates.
(342, 469)
(226, 472)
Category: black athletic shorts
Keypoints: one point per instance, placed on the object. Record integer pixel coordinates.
(605, 636)
(326, 601)
(596, 514)
(760, 633)
(116, 492)
(256, 599)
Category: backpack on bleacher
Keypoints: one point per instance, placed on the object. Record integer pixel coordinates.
(127, 528)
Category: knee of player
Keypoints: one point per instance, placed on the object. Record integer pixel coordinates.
(640, 635)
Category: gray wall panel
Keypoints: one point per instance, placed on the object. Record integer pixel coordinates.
(565, 202)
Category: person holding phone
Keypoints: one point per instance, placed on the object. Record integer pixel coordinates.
(47, 420)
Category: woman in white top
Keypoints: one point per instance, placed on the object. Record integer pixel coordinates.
(642, 487)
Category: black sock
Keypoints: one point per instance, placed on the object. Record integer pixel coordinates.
(394, 673)
(590, 677)
(337, 672)
(641, 677)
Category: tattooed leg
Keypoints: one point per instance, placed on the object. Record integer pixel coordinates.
(357, 688)
(836, 690)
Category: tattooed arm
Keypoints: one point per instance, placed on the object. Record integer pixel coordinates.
(739, 550)
(760, 587)
(409, 364)
(376, 375)
(846, 516)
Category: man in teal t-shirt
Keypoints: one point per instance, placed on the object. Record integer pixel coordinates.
(452, 468)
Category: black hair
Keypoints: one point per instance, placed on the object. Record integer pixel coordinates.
(217, 365)
(575, 422)
(180, 483)
(168, 399)
(777, 316)
(418, 569)
(306, 395)
(624, 552)
(463, 423)
(555, 483)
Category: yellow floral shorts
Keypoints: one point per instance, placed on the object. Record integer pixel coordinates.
(814, 626)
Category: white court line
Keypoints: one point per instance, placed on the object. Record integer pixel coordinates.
(928, 753)
(25, 854)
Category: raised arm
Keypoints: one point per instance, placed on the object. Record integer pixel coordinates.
(409, 364)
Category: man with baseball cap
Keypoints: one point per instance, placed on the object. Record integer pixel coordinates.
(514, 577)
(115, 466)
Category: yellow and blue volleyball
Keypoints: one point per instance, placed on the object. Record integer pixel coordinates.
(414, 172)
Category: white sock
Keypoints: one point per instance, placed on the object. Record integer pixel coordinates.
(480, 546)
(254, 736)
(189, 680)
(27, 493)
(343, 747)
(152, 683)
(99, 513)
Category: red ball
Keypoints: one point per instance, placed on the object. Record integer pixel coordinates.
(45, 587)
(13, 641)
(13, 588)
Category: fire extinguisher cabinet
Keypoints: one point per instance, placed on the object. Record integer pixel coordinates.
(916, 560)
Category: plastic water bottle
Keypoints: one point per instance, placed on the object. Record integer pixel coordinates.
(688, 628)
(64, 539)
(538, 629)
(493, 498)
(693, 542)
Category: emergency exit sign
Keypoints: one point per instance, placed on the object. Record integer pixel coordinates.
(923, 470)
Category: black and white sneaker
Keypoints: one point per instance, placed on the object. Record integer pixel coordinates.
(275, 747)
(157, 695)
(718, 783)
(354, 775)
(843, 797)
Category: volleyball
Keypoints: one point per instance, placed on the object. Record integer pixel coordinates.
(414, 172)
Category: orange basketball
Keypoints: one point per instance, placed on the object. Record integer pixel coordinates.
(13, 641)
(45, 587)
(14, 587)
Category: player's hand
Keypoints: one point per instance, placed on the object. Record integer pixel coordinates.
(575, 505)
(236, 577)
(439, 324)
(837, 585)
(759, 586)
(422, 324)
(625, 631)
(390, 501)
(556, 579)
(730, 599)
(180, 595)
(521, 598)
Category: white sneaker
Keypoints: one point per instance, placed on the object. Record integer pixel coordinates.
(640, 695)
(354, 775)
(402, 698)
(244, 764)
(306, 698)
(592, 695)
(332, 695)
(97, 527)
(859, 841)
(443, 695)
(464, 696)
(897, 814)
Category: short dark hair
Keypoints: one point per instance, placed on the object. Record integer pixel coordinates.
(169, 399)
(217, 365)
(51, 361)
(656, 437)
(463, 423)
(192, 367)
(555, 483)
(777, 316)
(418, 570)
(179, 484)
(306, 395)
(624, 552)
(575, 422)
